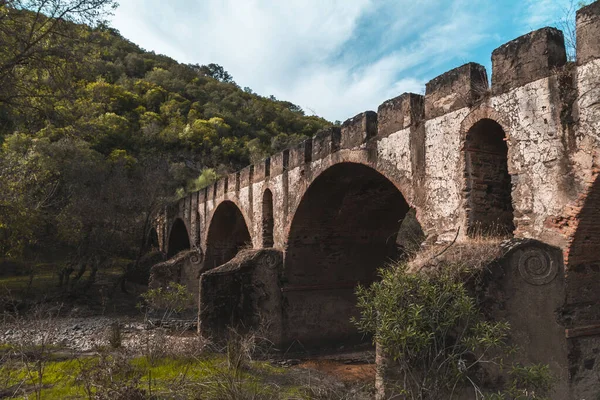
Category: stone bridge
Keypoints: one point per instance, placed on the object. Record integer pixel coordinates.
(517, 157)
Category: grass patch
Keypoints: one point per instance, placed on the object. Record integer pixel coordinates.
(206, 377)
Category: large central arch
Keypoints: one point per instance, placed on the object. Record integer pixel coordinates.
(227, 234)
(343, 231)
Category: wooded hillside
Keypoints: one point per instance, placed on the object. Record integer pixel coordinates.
(97, 134)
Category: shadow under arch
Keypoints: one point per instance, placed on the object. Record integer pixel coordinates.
(342, 232)
(267, 219)
(583, 259)
(179, 239)
(582, 280)
(227, 234)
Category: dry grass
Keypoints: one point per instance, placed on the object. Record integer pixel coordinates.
(476, 253)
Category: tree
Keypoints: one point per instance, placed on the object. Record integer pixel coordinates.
(96, 134)
(41, 39)
(217, 72)
(567, 25)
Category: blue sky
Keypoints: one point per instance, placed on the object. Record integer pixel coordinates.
(334, 58)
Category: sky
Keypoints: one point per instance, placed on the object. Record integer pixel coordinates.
(334, 58)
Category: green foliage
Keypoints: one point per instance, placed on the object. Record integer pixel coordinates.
(97, 134)
(206, 178)
(120, 375)
(172, 299)
(532, 382)
(430, 326)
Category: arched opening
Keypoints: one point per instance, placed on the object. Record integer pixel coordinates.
(488, 188)
(267, 219)
(179, 239)
(343, 231)
(227, 234)
(152, 239)
(198, 230)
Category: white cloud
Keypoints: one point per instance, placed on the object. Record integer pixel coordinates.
(539, 13)
(337, 57)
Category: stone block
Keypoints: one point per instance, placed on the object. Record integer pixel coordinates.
(231, 182)
(399, 113)
(357, 130)
(527, 58)
(262, 170)
(455, 89)
(221, 187)
(279, 162)
(325, 142)
(588, 33)
(300, 154)
(246, 176)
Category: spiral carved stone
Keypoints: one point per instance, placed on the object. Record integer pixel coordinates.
(537, 267)
(197, 256)
(271, 260)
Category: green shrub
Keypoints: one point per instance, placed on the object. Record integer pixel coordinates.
(172, 299)
(431, 327)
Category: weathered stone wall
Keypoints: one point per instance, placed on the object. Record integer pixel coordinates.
(240, 293)
(547, 111)
(523, 284)
(418, 143)
(184, 268)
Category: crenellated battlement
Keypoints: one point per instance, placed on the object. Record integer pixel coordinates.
(529, 58)
(588, 32)
(399, 113)
(525, 59)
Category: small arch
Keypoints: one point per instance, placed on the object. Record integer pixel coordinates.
(179, 239)
(198, 230)
(152, 239)
(227, 234)
(488, 183)
(267, 219)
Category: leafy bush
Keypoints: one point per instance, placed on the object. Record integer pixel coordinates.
(431, 328)
(172, 299)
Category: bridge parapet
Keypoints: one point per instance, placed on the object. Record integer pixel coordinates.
(417, 139)
(458, 88)
(527, 58)
(399, 113)
(588, 32)
(357, 130)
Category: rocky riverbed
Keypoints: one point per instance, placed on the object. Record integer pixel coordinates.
(84, 334)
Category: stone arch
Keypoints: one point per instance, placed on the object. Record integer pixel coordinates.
(267, 219)
(385, 168)
(227, 234)
(342, 232)
(486, 112)
(488, 188)
(179, 239)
